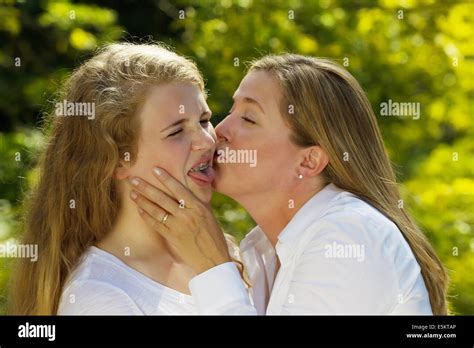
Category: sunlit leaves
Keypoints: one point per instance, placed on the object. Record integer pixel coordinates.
(82, 40)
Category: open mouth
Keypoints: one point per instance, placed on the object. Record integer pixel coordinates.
(202, 173)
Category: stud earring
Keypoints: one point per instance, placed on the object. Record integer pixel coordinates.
(300, 176)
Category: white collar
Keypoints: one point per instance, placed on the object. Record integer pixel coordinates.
(307, 214)
(303, 218)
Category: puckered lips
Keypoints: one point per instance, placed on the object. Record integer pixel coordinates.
(202, 172)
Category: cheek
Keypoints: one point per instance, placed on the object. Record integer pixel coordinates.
(273, 161)
(173, 156)
(270, 166)
(170, 155)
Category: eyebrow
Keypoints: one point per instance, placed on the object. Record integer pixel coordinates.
(252, 101)
(205, 113)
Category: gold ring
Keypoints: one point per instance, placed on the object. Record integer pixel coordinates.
(164, 218)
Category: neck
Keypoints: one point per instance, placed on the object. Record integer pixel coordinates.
(272, 212)
(132, 239)
(144, 250)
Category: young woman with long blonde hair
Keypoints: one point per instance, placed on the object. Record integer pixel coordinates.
(96, 255)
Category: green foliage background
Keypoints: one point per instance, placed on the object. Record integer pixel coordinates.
(409, 51)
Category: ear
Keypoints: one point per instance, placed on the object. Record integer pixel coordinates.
(313, 162)
(122, 171)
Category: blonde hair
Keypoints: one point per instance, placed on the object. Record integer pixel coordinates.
(78, 163)
(331, 110)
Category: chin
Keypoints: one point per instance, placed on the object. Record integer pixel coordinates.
(223, 182)
(204, 194)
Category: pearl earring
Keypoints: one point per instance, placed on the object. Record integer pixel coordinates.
(300, 176)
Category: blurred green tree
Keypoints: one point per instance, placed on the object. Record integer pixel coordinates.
(408, 51)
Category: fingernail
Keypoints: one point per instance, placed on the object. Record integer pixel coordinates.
(134, 195)
(135, 182)
(157, 171)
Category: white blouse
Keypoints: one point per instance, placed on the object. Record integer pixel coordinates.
(338, 255)
(102, 284)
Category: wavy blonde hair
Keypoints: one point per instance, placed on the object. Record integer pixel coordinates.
(331, 110)
(79, 162)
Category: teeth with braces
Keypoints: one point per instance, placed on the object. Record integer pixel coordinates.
(201, 167)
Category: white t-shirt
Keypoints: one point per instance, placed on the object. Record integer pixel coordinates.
(104, 285)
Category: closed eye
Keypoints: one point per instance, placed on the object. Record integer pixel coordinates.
(174, 133)
(205, 123)
(248, 120)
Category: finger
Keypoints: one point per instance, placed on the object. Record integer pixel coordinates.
(150, 208)
(154, 224)
(155, 195)
(179, 191)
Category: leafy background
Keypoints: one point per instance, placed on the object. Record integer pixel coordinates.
(406, 50)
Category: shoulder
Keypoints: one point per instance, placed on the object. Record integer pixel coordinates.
(98, 286)
(349, 220)
(357, 251)
(93, 297)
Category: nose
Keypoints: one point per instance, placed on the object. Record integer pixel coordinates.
(223, 130)
(204, 139)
